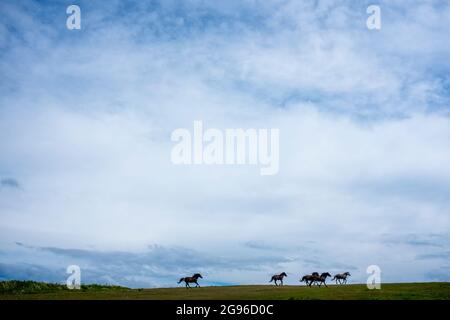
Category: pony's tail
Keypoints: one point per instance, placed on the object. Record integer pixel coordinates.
(181, 280)
(271, 280)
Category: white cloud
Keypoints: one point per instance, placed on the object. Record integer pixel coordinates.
(85, 122)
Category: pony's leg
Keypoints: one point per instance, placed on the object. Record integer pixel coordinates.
(197, 284)
(281, 281)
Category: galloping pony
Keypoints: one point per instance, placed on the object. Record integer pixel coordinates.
(309, 279)
(315, 278)
(322, 278)
(341, 277)
(278, 277)
(192, 279)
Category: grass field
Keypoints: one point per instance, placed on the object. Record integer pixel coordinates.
(403, 291)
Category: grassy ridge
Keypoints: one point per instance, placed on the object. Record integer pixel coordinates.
(394, 291)
(16, 287)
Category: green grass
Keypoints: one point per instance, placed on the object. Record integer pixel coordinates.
(393, 291)
(16, 287)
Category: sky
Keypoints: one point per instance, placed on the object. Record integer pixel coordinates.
(86, 118)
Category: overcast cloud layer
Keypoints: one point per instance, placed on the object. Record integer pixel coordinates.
(86, 117)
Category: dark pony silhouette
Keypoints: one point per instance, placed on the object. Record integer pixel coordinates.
(341, 277)
(192, 279)
(322, 278)
(315, 278)
(278, 277)
(309, 279)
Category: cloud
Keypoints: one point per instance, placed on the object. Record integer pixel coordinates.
(435, 256)
(158, 266)
(438, 275)
(28, 272)
(86, 118)
(155, 266)
(9, 183)
(259, 245)
(425, 240)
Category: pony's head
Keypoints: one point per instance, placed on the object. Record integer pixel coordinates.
(197, 275)
(315, 274)
(325, 274)
(347, 273)
(283, 274)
